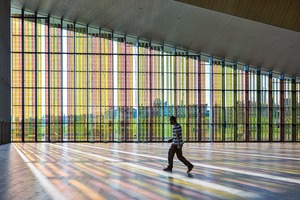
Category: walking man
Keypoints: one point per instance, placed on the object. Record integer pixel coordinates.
(176, 147)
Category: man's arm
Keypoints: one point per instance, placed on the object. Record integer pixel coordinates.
(178, 139)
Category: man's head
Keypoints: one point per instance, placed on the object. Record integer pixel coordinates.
(172, 120)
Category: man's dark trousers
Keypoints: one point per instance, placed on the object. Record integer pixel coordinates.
(173, 149)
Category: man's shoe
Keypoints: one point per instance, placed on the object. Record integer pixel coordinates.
(167, 169)
(190, 169)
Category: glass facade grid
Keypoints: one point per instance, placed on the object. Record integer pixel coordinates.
(73, 82)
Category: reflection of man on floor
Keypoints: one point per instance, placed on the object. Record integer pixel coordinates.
(176, 147)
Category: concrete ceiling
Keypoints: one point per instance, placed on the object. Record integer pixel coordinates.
(187, 26)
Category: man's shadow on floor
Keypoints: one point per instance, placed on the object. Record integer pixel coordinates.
(190, 175)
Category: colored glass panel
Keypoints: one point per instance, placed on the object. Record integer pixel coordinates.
(72, 82)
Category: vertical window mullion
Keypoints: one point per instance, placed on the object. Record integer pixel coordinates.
(35, 88)
(235, 100)
(211, 130)
(127, 108)
(49, 76)
(223, 100)
(138, 89)
(199, 109)
(187, 109)
(23, 81)
(61, 80)
(282, 117)
(258, 105)
(246, 70)
(88, 84)
(163, 91)
(151, 91)
(99, 86)
(75, 54)
(294, 110)
(270, 106)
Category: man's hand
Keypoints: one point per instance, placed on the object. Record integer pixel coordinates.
(179, 146)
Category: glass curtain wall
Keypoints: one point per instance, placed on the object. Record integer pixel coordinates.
(73, 82)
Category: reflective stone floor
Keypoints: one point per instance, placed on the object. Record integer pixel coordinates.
(134, 171)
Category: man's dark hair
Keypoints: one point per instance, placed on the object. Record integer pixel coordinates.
(173, 118)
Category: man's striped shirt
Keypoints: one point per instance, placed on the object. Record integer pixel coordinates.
(177, 129)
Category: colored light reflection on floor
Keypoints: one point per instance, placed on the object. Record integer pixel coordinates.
(134, 171)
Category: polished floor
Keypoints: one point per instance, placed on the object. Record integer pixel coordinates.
(134, 171)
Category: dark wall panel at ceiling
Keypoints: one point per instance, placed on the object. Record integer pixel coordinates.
(5, 93)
